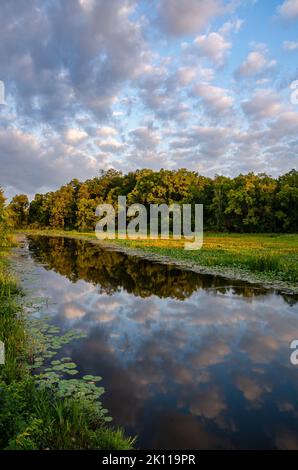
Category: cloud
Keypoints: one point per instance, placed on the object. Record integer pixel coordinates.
(189, 74)
(179, 18)
(213, 46)
(264, 104)
(290, 45)
(70, 56)
(288, 10)
(22, 162)
(145, 138)
(74, 136)
(111, 145)
(231, 27)
(106, 131)
(214, 98)
(285, 126)
(30, 165)
(91, 84)
(255, 64)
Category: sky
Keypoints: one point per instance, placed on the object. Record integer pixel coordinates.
(126, 84)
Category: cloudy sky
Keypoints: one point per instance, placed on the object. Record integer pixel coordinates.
(94, 84)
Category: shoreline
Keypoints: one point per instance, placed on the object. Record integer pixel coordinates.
(232, 274)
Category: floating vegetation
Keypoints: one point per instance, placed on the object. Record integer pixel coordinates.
(47, 341)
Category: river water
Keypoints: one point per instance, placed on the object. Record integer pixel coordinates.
(188, 361)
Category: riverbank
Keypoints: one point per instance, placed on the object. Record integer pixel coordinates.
(44, 411)
(267, 259)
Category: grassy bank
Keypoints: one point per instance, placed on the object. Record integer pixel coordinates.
(274, 257)
(271, 259)
(41, 411)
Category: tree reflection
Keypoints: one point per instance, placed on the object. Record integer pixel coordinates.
(112, 271)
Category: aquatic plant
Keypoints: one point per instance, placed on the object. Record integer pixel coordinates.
(40, 407)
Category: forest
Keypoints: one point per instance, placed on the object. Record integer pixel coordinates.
(251, 203)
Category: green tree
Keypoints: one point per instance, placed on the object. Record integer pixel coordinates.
(221, 187)
(64, 206)
(85, 212)
(246, 203)
(287, 202)
(3, 219)
(18, 210)
(250, 203)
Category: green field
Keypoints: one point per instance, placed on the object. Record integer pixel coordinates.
(266, 258)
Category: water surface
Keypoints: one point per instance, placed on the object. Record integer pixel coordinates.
(188, 361)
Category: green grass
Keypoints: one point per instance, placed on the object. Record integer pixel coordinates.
(32, 419)
(36, 417)
(264, 257)
(272, 258)
(12, 331)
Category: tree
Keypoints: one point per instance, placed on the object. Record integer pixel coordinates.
(64, 206)
(18, 210)
(3, 219)
(2, 202)
(250, 203)
(287, 201)
(253, 203)
(86, 206)
(221, 187)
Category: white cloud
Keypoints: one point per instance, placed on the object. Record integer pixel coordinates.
(231, 27)
(213, 46)
(105, 131)
(288, 10)
(87, 4)
(186, 75)
(214, 98)
(188, 16)
(265, 104)
(119, 94)
(285, 126)
(290, 45)
(74, 135)
(255, 64)
(110, 145)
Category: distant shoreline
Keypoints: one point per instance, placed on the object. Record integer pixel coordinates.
(165, 254)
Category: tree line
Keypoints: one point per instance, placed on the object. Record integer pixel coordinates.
(246, 203)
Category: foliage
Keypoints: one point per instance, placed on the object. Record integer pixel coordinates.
(32, 418)
(18, 210)
(246, 203)
(12, 332)
(4, 229)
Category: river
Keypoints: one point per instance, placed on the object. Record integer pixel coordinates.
(188, 361)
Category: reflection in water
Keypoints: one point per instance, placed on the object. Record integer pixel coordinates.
(111, 270)
(187, 362)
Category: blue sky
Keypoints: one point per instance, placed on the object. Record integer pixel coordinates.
(94, 84)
